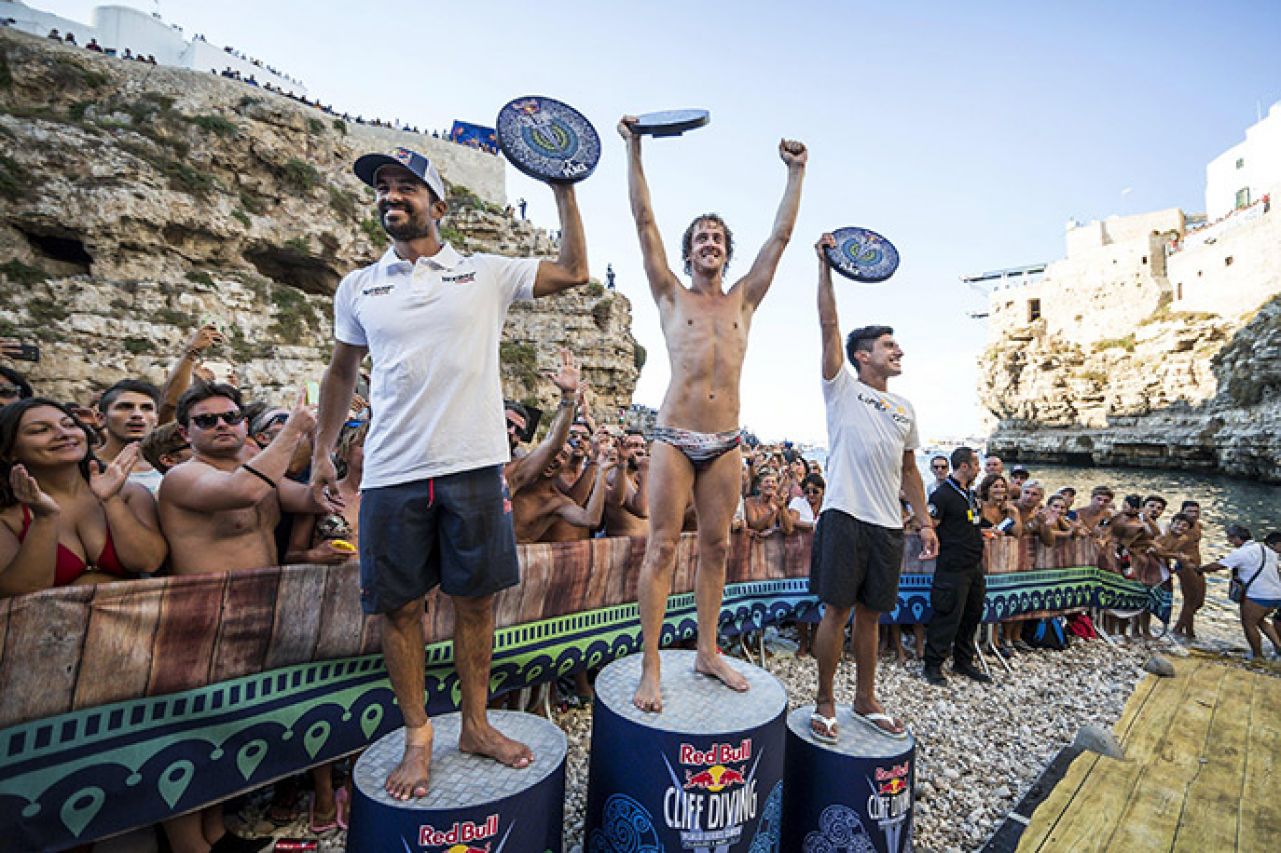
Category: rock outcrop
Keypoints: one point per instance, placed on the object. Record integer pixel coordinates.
(139, 201)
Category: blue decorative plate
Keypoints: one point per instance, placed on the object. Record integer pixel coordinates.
(548, 140)
(862, 254)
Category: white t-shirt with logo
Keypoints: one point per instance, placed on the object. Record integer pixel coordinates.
(432, 329)
(867, 433)
(1247, 560)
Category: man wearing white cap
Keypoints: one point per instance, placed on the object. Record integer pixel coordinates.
(433, 510)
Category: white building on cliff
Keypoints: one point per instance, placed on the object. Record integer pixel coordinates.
(121, 28)
(1120, 271)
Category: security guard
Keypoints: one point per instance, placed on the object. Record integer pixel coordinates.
(959, 586)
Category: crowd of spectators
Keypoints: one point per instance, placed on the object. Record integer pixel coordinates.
(190, 477)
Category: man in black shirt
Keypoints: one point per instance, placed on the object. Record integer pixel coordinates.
(959, 586)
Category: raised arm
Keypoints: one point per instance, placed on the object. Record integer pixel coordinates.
(523, 471)
(203, 488)
(662, 282)
(637, 502)
(179, 378)
(828, 325)
(759, 278)
(570, 267)
(28, 566)
(590, 515)
(336, 389)
(131, 513)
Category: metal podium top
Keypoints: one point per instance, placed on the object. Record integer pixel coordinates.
(458, 779)
(693, 703)
(855, 738)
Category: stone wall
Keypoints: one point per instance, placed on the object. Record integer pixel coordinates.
(139, 201)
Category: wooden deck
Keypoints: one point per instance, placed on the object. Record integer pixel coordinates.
(1203, 759)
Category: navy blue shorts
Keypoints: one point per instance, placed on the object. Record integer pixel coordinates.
(455, 531)
(852, 561)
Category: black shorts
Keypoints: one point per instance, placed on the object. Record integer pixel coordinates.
(853, 561)
(455, 531)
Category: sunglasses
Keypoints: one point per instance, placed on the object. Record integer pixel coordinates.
(209, 421)
(10, 391)
(813, 491)
(939, 467)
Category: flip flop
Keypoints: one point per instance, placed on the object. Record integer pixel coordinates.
(829, 733)
(871, 720)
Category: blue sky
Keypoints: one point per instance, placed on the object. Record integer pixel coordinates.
(966, 133)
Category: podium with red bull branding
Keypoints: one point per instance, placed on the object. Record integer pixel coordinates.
(853, 795)
(705, 775)
(474, 804)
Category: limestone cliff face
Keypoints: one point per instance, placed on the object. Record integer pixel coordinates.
(1188, 391)
(138, 201)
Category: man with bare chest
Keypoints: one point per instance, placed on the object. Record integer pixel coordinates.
(219, 509)
(627, 501)
(697, 436)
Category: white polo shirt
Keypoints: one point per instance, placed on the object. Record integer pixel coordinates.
(432, 328)
(867, 434)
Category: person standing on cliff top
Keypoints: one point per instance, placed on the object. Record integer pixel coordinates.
(697, 437)
(433, 509)
(858, 545)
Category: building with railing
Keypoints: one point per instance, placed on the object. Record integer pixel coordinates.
(118, 29)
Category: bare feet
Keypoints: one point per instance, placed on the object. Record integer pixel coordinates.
(716, 667)
(491, 743)
(649, 693)
(409, 779)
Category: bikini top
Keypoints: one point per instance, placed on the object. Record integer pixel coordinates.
(69, 566)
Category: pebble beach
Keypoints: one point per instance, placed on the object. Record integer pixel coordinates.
(979, 747)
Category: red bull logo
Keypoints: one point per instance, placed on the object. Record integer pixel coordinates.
(718, 753)
(715, 778)
(898, 771)
(891, 788)
(457, 839)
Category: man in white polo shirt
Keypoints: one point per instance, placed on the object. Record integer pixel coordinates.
(858, 543)
(433, 509)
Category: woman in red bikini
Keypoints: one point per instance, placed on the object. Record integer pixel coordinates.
(65, 517)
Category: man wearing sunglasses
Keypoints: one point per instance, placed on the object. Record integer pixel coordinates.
(432, 510)
(939, 468)
(219, 509)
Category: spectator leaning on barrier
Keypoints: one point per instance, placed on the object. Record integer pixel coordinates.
(65, 517)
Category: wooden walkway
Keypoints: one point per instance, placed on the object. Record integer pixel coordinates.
(1203, 760)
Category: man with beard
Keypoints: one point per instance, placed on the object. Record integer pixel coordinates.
(537, 503)
(697, 438)
(218, 511)
(129, 410)
(432, 509)
(627, 501)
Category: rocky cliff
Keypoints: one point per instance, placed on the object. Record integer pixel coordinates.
(139, 201)
(1182, 390)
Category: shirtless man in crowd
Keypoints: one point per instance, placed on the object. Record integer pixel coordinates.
(696, 441)
(1191, 581)
(537, 504)
(1092, 516)
(627, 501)
(219, 509)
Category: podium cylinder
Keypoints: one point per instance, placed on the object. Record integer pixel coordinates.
(855, 795)
(473, 803)
(704, 775)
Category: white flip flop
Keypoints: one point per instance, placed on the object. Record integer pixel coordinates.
(829, 734)
(871, 720)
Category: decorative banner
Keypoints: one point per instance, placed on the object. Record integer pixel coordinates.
(475, 135)
(171, 693)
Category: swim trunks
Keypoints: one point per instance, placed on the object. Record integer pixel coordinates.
(700, 448)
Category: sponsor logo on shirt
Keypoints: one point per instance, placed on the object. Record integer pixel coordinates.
(897, 413)
(380, 290)
(461, 278)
